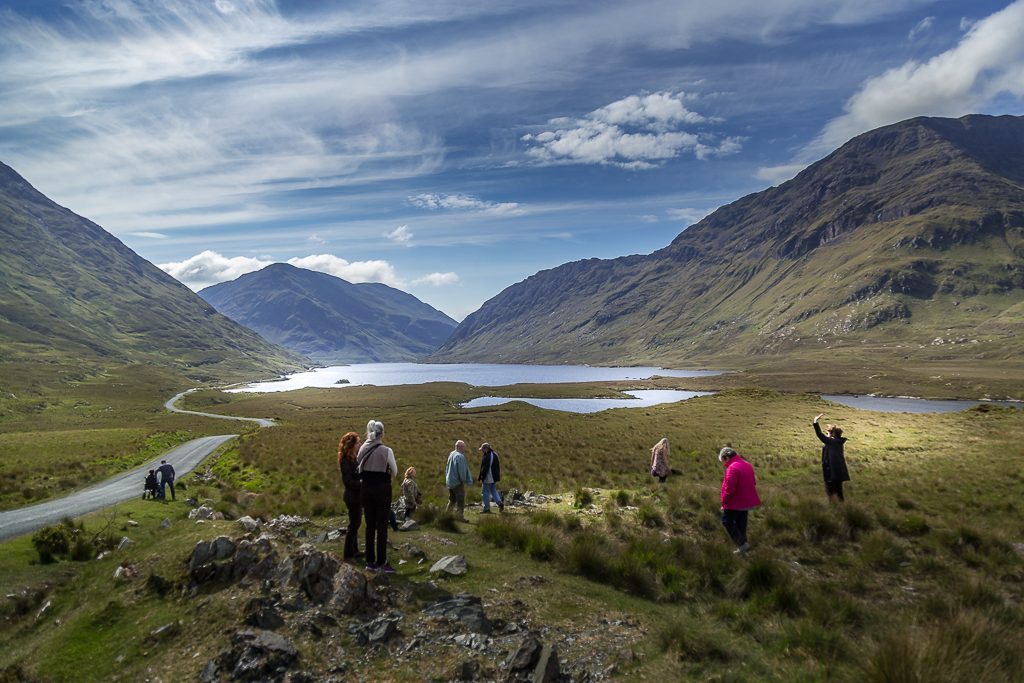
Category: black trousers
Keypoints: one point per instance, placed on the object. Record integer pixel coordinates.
(376, 500)
(355, 518)
(735, 522)
(834, 488)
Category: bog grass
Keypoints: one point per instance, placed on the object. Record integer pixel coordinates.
(929, 536)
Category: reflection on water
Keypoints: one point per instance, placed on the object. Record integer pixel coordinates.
(475, 374)
(908, 405)
(642, 398)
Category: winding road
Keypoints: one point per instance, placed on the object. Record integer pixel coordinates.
(121, 487)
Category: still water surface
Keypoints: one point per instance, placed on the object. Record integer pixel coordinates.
(886, 404)
(474, 374)
(642, 398)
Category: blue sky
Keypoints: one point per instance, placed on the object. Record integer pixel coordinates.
(452, 148)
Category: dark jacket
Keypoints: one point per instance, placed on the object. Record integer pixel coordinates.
(490, 459)
(833, 462)
(166, 472)
(349, 476)
(151, 483)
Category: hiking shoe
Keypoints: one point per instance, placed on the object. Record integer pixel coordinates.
(371, 567)
(388, 569)
(501, 507)
(485, 512)
(742, 550)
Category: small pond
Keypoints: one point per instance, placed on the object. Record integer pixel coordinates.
(642, 398)
(886, 404)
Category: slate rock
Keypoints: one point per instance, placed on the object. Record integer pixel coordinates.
(465, 610)
(313, 572)
(125, 542)
(165, 523)
(222, 548)
(454, 565)
(548, 669)
(350, 590)
(261, 613)
(253, 656)
(409, 525)
(248, 523)
(158, 584)
(201, 512)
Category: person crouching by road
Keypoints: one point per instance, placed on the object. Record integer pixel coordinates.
(411, 492)
(150, 490)
(739, 497)
(659, 460)
(833, 461)
(347, 447)
(490, 474)
(456, 477)
(376, 465)
(166, 479)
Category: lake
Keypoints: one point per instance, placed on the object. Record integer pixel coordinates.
(885, 404)
(474, 374)
(642, 398)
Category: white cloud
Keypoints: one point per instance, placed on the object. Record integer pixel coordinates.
(438, 279)
(776, 175)
(464, 202)
(920, 27)
(149, 235)
(687, 215)
(637, 132)
(316, 238)
(353, 271)
(649, 218)
(988, 62)
(209, 268)
(400, 235)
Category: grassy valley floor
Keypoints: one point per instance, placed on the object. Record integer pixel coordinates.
(918, 577)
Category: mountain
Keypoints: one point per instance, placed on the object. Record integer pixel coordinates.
(331, 320)
(908, 237)
(69, 288)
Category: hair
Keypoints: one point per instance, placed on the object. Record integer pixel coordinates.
(347, 446)
(460, 442)
(726, 453)
(374, 429)
(836, 431)
(410, 473)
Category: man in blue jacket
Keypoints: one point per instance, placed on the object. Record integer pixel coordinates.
(166, 479)
(456, 476)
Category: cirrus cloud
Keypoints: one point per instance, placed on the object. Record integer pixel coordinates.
(463, 202)
(438, 279)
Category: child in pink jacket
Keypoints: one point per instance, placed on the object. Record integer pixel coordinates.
(739, 496)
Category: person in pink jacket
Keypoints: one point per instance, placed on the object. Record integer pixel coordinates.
(739, 497)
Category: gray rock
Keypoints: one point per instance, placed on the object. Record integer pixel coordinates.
(261, 613)
(165, 523)
(350, 590)
(548, 669)
(313, 572)
(249, 524)
(409, 525)
(222, 548)
(376, 632)
(165, 631)
(125, 542)
(132, 522)
(464, 610)
(454, 565)
(253, 656)
(527, 655)
(468, 671)
(201, 512)
(202, 554)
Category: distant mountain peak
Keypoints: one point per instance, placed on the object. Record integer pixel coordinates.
(330, 319)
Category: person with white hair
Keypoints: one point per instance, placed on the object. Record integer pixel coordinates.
(456, 478)
(376, 465)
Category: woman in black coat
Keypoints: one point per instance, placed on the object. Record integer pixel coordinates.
(347, 448)
(833, 462)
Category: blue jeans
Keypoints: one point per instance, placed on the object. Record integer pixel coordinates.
(735, 522)
(163, 489)
(490, 491)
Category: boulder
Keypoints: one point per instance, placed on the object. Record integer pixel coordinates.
(409, 525)
(261, 613)
(547, 669)
(158, 584)
(534, 662)
(350, 591)
(249, 524)
(376, 632)
(455, 565)
(464, 610)
(201, 512)
(313, 572)
(125, 572)
(125, 542)
(222, 548)
(253, 656)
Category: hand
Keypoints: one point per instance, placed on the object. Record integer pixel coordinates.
(820, 415)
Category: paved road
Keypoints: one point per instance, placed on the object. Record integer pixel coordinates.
(123, 487)
(261, 421)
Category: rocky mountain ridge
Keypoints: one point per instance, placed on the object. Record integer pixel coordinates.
(906, 235)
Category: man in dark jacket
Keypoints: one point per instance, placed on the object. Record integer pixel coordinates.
(490, 475)
(166, 479)
(833, 462)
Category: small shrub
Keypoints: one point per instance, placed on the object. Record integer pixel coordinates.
(881, 551)
(426, 514)
(913, 525)
(588, 555)
(649, 515)
(572, 522)
(582, 498)
(51, 542)
(692, 642)
(760, 575)
(817, 521)
(446, 521)
(856, 520)
(622, 498)
(545, 517)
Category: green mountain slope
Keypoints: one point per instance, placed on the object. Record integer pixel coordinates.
(331, 320)
(70, 291)
(908, 240)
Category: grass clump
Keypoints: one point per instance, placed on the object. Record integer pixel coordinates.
(582, 498)
(68, 540)
(691, 640)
